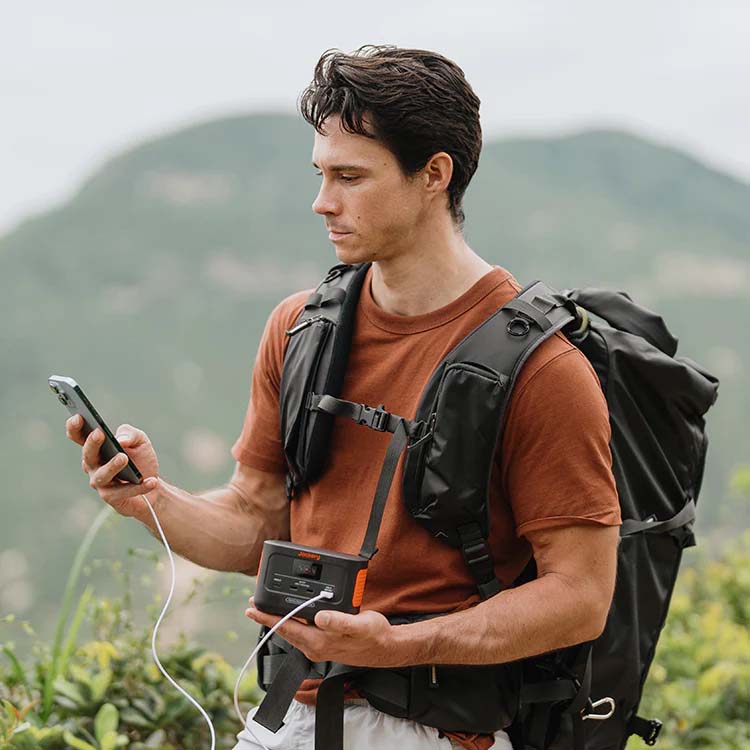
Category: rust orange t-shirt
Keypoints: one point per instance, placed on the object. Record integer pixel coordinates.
(553, 467)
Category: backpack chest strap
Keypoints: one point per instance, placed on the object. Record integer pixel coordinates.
(374, 417)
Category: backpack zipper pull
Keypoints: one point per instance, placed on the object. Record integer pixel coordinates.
(304, 324)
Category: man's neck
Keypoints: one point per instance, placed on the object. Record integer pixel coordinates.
(426, 278)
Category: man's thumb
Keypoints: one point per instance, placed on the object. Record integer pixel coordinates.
(337, 621)
(125, 434)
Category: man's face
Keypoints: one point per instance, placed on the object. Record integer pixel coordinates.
(372, 211)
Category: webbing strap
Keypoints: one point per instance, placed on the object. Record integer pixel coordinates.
(329, 714)
(375, 417)
(478, 557)
(543, 695)
(686, 515)
(648, 729)
(530, 311)
(393, 454)
(333, 296)
(382, 421)
(273, 709)
(329, 708)
(578, 704)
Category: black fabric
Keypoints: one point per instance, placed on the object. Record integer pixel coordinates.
(647, 729)
(478, 557)
(446, 478)
(530, 311)
(315, 361)
(395, 449)
(376, 418)
(619, 310)
(652, 526)
(287, 680)
(657, 403)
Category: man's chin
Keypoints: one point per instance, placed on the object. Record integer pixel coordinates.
(351, 253)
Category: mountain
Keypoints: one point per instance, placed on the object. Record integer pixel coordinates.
(151, 286)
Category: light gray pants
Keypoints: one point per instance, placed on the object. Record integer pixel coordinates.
(365, 728)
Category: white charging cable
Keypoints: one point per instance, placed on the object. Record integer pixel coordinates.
(321, 595)
(307, 603)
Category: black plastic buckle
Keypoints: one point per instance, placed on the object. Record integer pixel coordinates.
(476, 551)
(376, 418)
(652, 733)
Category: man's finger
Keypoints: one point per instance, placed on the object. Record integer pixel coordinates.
(338, 622)
(91, 448)
(127, 434)
(104, 475)
(73, 429)
(292, 630)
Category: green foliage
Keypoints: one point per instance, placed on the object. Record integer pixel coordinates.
(61, 650)
(699, 684)
(195, 235)
(112, 695)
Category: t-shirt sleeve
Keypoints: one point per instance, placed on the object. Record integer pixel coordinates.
(259, 444)
(557, 463)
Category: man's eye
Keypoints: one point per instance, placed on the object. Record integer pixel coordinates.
(342, 177)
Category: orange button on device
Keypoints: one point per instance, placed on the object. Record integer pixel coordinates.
(359, 588)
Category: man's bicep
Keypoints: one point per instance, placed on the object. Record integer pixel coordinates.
(263, 496)
(582, 556)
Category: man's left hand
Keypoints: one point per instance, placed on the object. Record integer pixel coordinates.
(363, 640)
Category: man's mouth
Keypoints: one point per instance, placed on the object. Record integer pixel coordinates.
(336, 234)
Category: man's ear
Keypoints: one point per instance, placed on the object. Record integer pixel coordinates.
(438, 172)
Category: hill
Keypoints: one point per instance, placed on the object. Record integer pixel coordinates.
(151, 286)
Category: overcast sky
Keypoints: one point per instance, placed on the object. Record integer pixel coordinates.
(82, 79)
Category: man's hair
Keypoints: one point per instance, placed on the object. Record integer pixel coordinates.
(415, 102)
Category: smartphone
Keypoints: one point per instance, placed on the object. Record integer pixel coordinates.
(70, 395)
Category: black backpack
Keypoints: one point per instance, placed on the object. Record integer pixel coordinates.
(585, 696)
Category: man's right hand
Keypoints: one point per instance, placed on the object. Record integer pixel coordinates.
(122, 496)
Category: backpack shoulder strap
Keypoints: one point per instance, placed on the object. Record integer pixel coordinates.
(465, 403)
(315, 361)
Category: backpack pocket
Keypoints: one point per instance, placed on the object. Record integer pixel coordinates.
(309, 344)
(445, 478)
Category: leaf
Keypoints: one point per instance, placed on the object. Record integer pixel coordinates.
(145, 708)
(80, 675)
(11, 711)
(77, 743)
(70, 641)
(106, 721)
(155, 739)
(100, 684)
(69, 690)
(135, 718)
(18, 672)
(57, 649)
(108, 741)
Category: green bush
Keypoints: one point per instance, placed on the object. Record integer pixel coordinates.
(108, 693)
(112, 695)
(699, 684)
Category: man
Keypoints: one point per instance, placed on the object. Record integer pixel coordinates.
(397, 140)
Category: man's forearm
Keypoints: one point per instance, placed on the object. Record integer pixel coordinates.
(213, 530)
(540, 616)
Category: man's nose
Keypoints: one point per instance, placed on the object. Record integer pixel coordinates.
(325, 202)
